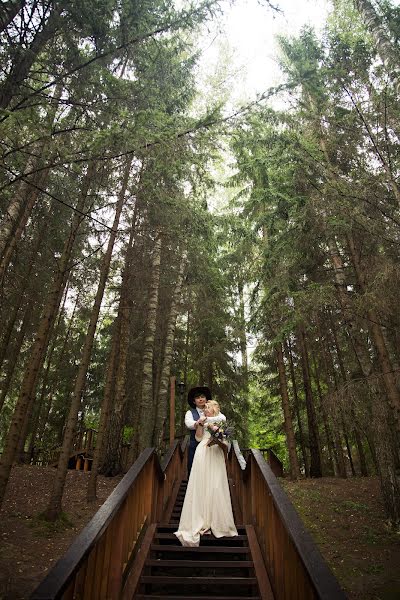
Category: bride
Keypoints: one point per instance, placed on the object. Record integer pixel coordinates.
(207, 506)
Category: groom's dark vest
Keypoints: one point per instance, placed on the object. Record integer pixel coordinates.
(192, 432)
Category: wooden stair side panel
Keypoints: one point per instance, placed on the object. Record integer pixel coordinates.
(264, 583)
(135, 572)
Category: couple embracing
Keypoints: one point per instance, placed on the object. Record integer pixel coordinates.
(207, 507)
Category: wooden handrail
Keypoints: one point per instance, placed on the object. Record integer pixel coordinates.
(274, 462)
(295, 566)
(98, 561)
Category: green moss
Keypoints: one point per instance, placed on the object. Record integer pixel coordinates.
(44, 528)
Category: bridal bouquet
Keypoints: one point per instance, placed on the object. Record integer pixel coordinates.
(219, 433)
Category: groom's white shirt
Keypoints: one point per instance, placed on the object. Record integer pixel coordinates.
(189, 421)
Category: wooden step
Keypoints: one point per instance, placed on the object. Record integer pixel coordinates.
(172, 526)
(237, 564)
(162, 579)
(201, 549)
(186, 597)
(171, 536)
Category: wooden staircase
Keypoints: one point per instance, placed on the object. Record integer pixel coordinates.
(220, 568)
(128, 550)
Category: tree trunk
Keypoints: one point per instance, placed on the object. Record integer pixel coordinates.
(185, 371)
(332, 384)
(290, 441)
(111, 464)
(360, 450)
(14, 354)
(54, 507)
(10, 10)
(28, 191)
(20, 453)
(296, 403)
(384, 45)
(385, 447)
(161, 408)
(22, 295)
(354, 333)
(39, 346)
(10, 328)
(44, 418)
(348, 446)
(29, 196)
(385, 364)
(242, 337)
(101, 441)
(24, 59)
(328, 435)
(315, 466)
(147, 405)
(17, 207)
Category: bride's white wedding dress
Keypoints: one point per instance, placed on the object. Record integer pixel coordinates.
(207, 506)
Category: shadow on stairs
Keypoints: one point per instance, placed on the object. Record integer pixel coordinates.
(220, 568)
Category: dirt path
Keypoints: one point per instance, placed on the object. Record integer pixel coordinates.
(346, 519)
(29, 546)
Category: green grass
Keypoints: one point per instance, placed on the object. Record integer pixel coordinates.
(44, 528)
(354, 505)
(375, 569)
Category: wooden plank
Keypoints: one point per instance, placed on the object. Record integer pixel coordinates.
(136, 569)
(90, 574)
(212, 564)
(100, 551)
(103, 575)
(186, 597)
(171, 536)
(79, 591)
(117, 557)
(171, 502)
(69, 592)
(235, 502)
(264, 584)
(168, 456)
(199, 580)
(201, 549)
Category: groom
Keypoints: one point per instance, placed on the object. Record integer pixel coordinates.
(197, 397)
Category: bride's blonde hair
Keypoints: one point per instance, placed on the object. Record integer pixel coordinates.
(214, 406)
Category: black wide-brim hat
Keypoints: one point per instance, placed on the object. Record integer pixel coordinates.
(198, 391)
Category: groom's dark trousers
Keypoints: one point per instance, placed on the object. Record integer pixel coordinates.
(193, 442)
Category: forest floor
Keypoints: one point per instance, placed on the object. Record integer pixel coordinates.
(346, 519)
(28, 545)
